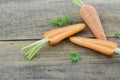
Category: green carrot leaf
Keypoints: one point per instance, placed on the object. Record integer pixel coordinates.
(75, 57)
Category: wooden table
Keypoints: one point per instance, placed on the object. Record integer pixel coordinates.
(24, 21)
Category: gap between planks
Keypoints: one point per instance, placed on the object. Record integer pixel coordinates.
(39, 39)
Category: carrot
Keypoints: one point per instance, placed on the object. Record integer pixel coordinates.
(53, 37)
(109, 44)
(99, 46)
(62, 35)
(89, 14)
(57, 31)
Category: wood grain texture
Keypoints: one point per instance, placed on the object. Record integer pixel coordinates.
(53, 63)
(28, 19)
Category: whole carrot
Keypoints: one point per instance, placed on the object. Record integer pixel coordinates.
(109, 44)
(59, 34)
(53, 37)
(57, 31)
(106, 50)
(89, 14)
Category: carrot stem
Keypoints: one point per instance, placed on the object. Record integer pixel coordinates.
(117, 50)
(78, 3)
(33, 48)
(26, 48)
(34, 51)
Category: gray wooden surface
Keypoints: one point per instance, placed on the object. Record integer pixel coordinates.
(24, 21)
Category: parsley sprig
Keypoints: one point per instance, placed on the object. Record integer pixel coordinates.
(117, 35)
(75, 57)
(61, 22)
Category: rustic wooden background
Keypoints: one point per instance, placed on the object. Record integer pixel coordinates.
(24, 21)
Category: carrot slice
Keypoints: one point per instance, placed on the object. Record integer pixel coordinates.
(102, 49)
(109, 44)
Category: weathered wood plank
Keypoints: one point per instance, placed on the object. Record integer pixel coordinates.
(53, 63)
(68, 72)
(28, 19)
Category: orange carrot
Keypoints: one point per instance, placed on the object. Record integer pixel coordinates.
(89, 14)
(59, 36)
(57, 31)
(109, 44)
(53, 37)
(100, 48)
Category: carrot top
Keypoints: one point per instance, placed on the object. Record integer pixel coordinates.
(33, 48)
(78, 3)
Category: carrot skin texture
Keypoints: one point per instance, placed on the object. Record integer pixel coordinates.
(62, 33)
(66, 34)
(109, 44)
(57, 31)
(89, 14)
(102, 49)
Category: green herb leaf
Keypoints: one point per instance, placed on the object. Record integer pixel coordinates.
(117, 35)
(61, 22)
(51, 24)
(75, 57)
(59, 19)
(67, 20)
